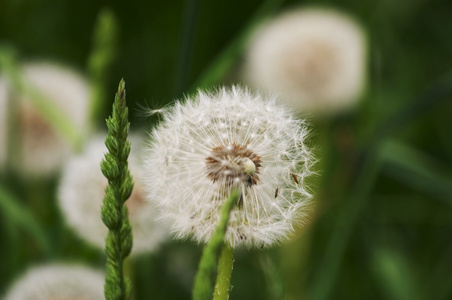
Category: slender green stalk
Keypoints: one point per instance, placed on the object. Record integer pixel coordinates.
(102, 56)
(223, 284)
(203, 287)
(114, 214)
(344, 225)
(274, 281)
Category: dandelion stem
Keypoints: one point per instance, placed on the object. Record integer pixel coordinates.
(203, 286)
(223, 283)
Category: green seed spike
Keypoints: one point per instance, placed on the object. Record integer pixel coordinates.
(113, 213)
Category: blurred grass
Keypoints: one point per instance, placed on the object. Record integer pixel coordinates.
(16, 215)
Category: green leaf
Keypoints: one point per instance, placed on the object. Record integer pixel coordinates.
(13, 211)
(417, 170)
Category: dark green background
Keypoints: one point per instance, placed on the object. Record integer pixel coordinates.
(400, 242)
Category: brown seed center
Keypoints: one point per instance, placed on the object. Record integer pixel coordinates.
(233, 164)
(35, 125)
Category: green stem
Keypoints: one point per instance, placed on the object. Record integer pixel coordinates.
(203, 287)
(273, 277)
(344, 224)
(223, 283)
(101, 59)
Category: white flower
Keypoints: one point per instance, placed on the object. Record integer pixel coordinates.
(42, 149)
(314, 59)
(230, 139)
(58, 281)
(81, 193)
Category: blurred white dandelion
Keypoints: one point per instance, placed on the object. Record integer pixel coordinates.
(313, 59)
(58, 282)
(3, 121)
(81, 193)
(42, 149)
(209, 145)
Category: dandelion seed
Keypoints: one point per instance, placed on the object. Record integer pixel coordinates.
(58, 281)
(314, 59)
(210, 160)
(295, 178)
(144, 110)
(82, 189)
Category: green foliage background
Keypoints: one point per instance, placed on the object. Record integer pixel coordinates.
(386, 201)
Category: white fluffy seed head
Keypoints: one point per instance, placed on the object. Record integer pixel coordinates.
(213, 143)
(314, 59)
(58, 281)
(42, 149)
(81, 193)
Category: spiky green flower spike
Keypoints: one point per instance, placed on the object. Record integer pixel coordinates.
(114, 213)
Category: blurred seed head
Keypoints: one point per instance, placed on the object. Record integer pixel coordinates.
(3, 121)
(81, 193)
(313, 59)
(230, 139)
(58, 282)
(41, 148)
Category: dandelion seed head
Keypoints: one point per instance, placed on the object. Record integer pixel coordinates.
(209, 161)
(314, 59)
(58, 282)
(42, 148)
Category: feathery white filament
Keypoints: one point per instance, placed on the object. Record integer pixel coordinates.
(215, 142)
